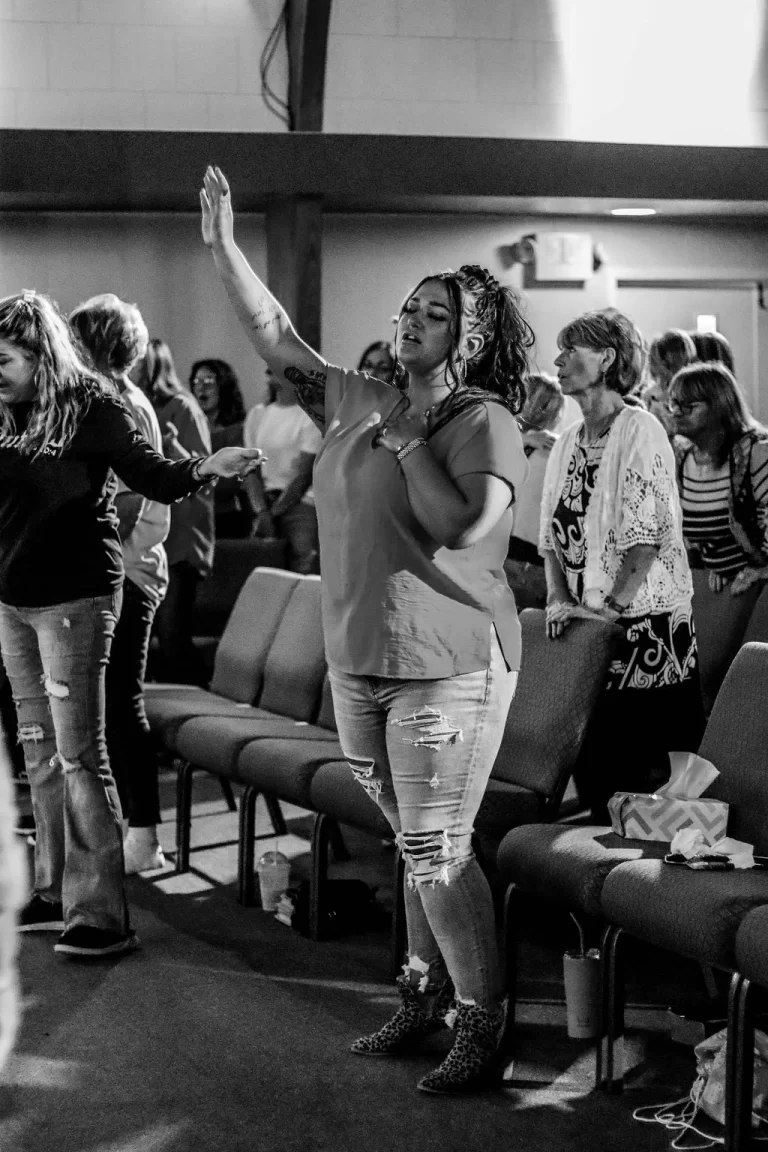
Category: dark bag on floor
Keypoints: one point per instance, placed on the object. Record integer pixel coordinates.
(348, 906)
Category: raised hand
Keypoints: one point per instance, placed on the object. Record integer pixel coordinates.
(216, 204)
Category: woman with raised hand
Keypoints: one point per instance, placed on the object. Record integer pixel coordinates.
(63, 433)
(415, 484)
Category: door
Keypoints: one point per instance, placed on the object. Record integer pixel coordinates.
(657, 305)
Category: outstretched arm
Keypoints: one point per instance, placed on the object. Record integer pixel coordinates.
(267, 324)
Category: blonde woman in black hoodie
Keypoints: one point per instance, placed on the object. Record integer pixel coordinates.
(63, 433)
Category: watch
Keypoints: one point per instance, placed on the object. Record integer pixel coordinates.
(613, 605)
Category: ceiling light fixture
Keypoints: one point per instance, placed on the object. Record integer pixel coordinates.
(633, 211)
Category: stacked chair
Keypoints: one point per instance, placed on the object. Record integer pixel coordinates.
(748, 994)
(697, 914)
(626, 883)
(267, 724)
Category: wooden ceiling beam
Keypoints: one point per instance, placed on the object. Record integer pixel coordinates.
(161, 171)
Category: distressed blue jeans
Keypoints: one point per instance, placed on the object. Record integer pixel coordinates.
(56, 659)
(424, 750)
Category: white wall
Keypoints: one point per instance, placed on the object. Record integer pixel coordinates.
(159, 262)
(662, 71)
(183, 65)
(369, 264)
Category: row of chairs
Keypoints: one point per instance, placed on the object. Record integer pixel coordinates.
(266, 722)
(706, 916)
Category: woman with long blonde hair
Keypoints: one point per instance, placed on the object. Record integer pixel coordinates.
(63, 432)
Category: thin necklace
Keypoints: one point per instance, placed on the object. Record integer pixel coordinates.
(606, 425)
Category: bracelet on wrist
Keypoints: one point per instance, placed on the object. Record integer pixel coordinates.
(411, 446)
(196, 468)
(613, 605)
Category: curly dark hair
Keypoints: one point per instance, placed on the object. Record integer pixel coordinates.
(609, 328)
(480, 305)
(231, 404)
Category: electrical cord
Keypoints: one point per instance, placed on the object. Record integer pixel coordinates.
(276, 105)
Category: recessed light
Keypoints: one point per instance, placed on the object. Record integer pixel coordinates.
(633, 211)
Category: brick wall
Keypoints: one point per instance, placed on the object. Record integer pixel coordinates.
(663, 71)
(184, 65)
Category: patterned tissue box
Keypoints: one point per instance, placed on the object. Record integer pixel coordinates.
(643, 816)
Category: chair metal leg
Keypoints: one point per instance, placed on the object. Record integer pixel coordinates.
(509, 923)
(246, 881)
(341, 853)
(609, 1070)
(399, 927)
(321, 835)
(229, 795)
(739, 1065)
(276, 815)
(184, 776)
(509, 945)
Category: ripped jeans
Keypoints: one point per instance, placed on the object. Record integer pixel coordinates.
(424, 750)
(56, 659)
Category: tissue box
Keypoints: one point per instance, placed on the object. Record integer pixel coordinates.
(643, 816)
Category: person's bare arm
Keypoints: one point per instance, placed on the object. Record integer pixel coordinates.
(558, 596)
(266, 323)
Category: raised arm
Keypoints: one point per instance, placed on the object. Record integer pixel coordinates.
(267, 324)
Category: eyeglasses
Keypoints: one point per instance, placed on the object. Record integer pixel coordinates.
(203, 381)
(677, 406)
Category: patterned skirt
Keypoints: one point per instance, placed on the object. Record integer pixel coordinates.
(658, 651)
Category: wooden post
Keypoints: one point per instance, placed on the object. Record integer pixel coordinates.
(294, 240)
(295, 223)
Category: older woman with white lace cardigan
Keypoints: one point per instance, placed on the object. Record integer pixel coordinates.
(611, 537)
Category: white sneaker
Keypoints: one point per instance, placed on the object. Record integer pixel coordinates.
(142, 852)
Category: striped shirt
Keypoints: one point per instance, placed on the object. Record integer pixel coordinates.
(706, 521)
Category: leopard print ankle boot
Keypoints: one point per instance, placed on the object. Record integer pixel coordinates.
(409, 1025)
(469, 1065)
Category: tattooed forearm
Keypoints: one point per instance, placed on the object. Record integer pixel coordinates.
(265, 316)
(310, 391)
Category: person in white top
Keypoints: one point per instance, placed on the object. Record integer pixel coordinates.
(115, 337)
(612, 541)
(540, 414)
(281, 490)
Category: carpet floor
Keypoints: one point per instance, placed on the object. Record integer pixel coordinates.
(228, 1031)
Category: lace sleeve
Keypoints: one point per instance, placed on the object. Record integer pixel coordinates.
(648, 506)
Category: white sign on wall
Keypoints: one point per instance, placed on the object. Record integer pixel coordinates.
(706, 323)
(563, 256)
